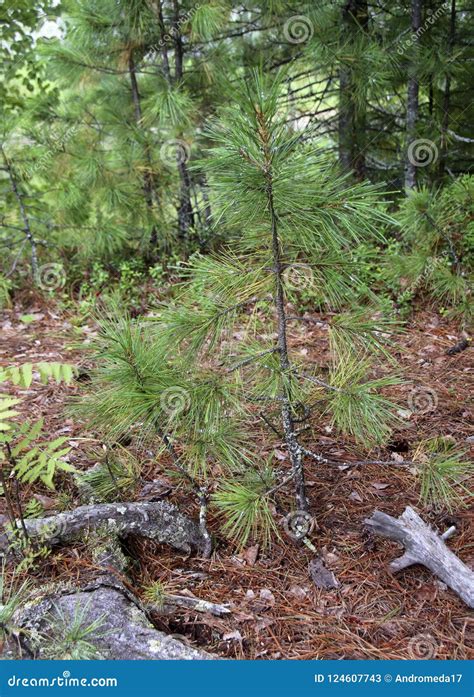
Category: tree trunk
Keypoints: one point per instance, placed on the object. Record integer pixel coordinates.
(352, 111)
(24, 216)
(447, 94)
(185, 208)
(412, 100)
(158, 521)
(148, 187)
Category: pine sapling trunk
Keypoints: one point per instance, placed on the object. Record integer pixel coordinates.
(294, 449)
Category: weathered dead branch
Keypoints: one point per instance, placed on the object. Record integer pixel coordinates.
(426, 547)
(156, 520)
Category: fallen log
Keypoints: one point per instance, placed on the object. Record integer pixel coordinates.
(157, 520)
(426, 547)
(121, 630)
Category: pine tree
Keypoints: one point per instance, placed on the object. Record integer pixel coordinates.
(132, 90)
(293, 222)
(436, 250)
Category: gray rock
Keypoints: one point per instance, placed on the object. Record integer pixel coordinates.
(123, 631)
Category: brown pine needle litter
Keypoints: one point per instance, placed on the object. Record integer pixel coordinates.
(277, 612)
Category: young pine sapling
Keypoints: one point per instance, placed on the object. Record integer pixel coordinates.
(190, 377)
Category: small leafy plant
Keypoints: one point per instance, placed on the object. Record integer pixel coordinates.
(156, 593)
(26, 456)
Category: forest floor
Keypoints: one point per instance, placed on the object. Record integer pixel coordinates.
(277, 612)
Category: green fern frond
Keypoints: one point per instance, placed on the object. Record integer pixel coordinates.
(6, 411)
(23, 375)
(41, 461)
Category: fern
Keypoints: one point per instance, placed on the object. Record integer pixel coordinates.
(31, 458)
(35, 460)
(23, 375)
(6, 411)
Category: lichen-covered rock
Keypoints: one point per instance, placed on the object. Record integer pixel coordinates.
(123, 631)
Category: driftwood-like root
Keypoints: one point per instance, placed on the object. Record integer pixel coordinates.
(157, 520)
(424, 546)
